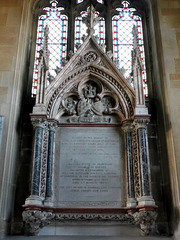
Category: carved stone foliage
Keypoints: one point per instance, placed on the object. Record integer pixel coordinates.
(89, 104)
(146, 221)
(35, 219)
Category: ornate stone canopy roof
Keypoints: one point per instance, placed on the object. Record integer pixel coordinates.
(90, 63)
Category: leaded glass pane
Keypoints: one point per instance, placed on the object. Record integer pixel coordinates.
(81, 29)
(122, 26)
(57, 40)
(99, 1)
(79, 1)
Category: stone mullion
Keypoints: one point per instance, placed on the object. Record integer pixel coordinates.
(108, 28)
(71, 26)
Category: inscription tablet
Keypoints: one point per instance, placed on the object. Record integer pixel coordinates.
(91, 167)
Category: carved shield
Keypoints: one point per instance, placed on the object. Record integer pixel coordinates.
(98, 108)
(83, 107)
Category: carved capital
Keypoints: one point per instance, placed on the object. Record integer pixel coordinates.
(52, 126)
(39, 122)
(141, 122)
(128, 127)
(146, 221)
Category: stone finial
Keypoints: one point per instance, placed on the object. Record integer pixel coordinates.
(137, 52)
(91, 20)
(45, 46)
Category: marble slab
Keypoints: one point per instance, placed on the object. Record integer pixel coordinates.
(89, 167)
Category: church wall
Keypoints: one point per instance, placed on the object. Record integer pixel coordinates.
(13, 31)
(169, 17)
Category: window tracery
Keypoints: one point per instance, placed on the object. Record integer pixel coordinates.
(57, 40)
(122, 26)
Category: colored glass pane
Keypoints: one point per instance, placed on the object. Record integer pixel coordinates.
(99, 1)
(79, 1)
(57, 40)
(122, 26)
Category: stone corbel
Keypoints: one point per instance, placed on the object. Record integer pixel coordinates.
(146, 221)
(34, 220)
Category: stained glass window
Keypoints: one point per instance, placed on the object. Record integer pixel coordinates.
(99, 1)
(57, 40)
(81, 29)
(122, 26)
(79, 1)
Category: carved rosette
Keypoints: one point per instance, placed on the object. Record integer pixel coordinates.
(90, 56)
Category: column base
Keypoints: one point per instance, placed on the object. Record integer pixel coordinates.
(48, 202)
(131, 202)
(146, 201)
(33, 200)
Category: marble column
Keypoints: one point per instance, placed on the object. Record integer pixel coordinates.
(50, 158)
(131, 201)
(34, 198)
(146, 198)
